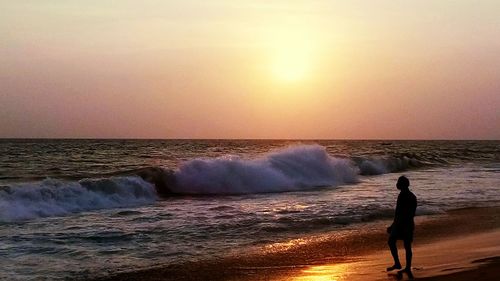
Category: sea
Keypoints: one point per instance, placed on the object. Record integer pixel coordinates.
(89, 208)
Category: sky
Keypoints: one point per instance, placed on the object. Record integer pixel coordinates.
(250, 69)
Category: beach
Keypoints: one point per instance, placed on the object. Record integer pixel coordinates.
(453, 246)
(234, 210)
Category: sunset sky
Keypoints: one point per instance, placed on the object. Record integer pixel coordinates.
(250, 69)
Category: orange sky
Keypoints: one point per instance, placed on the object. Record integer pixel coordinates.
(250, 69)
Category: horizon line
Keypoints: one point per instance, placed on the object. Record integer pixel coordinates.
(244, 139)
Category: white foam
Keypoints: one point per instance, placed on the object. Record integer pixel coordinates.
(55, 198)
(291, 169)
(294, 168)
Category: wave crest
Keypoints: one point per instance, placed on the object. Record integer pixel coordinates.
(291, 169)
(294, 168)
(54, 198)
(383, 165)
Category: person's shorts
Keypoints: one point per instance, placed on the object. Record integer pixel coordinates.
(405, 234)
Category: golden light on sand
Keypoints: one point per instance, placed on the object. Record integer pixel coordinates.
(335, 272)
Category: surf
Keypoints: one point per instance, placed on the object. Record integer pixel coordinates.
(294, 168)
(53, 197)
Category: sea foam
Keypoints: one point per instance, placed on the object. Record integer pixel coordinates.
(294, 168)
(55, 198)
(291, 169)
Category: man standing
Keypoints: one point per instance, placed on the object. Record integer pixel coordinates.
(403, 226)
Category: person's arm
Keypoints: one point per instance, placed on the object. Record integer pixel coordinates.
(398, 212)
(397, 215)
(414, 205)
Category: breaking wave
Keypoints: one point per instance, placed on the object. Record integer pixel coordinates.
(384, 165)
(55, 198)
(291, 169)
(294, 168)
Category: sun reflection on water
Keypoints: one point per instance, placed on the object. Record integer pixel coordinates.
(283, 246)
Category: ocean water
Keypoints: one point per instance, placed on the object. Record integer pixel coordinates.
(84, 208)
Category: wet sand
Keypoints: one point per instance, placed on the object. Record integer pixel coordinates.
(430, 260)
(459, 244)
(487, 269)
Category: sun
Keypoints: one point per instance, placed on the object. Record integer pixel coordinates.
(291, 58)
(291, 65)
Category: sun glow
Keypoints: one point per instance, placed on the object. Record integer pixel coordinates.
(291, 64)
(292, 57)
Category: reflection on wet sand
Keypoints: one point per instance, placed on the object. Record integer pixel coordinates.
(336, 272)
(433, 259)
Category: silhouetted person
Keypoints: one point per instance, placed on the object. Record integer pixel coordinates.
(403, 225)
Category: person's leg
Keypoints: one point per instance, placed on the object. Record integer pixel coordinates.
(394, 253)
(409, 255)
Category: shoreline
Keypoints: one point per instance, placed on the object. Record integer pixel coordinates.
(433, 261)
(287, 260)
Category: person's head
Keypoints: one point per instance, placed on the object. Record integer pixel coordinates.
(403, 183)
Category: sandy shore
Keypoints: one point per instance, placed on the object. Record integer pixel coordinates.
(487, 269)
(457, 245)
(437, 260)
